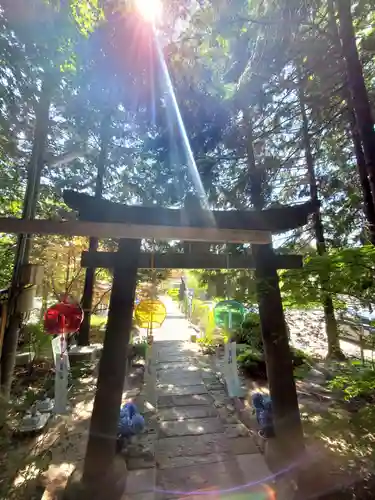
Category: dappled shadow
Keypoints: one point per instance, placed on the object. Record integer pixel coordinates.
(341, 444)
(29, 460)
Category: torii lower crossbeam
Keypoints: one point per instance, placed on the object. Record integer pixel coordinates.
(108, 260)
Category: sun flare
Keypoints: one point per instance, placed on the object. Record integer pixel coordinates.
(150, 10)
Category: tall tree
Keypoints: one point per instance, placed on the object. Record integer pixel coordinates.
(88, 289)
(334, 350)
(358, 88)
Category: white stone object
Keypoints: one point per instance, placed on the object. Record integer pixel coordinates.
(62, 368)
(34, 421)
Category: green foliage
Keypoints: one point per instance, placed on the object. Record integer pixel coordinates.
(351, 272)
(250, 332)
(36, 339)
(249, 358)
(200, 311)
(139, 349)
(356, 381)
(97, 321)
(7, 245)
(173, 293)
(87, 14)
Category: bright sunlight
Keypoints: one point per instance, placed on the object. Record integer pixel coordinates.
(150, 10)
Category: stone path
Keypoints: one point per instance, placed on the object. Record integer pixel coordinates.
(200, 448)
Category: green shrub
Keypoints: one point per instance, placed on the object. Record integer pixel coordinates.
(97, 321)
(36, 339)
(173, 293)
(139, 349)
(355, 381)
(252, 360)
(250, 333)
(200, 311)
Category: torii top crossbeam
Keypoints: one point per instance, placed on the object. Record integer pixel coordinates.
(105, 219)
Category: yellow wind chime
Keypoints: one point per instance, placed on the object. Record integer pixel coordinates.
(150, 313)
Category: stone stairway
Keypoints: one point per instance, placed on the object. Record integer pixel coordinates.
(197, 446)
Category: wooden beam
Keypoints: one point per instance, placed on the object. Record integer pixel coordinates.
(275, 219)
(188, 261)
(120, 230)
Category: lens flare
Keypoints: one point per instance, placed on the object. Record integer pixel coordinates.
(150, 10)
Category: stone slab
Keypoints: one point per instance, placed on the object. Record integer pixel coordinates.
(191, 445)
(140, 481)
(191, 427)
(234, 430)
(186, 400)
(209, 378)
(176, 390)
(182, 365)
(227, 416)
(143, 443)
(140, 463)
(179, 352)
(171, 462)
(243, 446)
(220, 396)
(175, 359)
(186, 412)
(180, 378)
(254, 468)
(215, 386)
(139, 496)
(202, 477)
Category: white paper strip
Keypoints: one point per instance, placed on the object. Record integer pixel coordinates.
(56, 349)
(150, 376)
(62, 368)
(230, 370)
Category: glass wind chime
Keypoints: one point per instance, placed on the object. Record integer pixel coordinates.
(61, 320)
(150, 314)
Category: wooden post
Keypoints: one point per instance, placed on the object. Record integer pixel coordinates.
(288, 427)
(101, 445)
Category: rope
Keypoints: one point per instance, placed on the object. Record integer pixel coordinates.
(153, 281)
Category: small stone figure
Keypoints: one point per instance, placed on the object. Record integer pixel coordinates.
(131, 421)
(263, 410)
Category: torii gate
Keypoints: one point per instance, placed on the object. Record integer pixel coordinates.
(131, 224)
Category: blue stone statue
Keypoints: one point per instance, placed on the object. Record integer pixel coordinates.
(263, 411)
(131, 422)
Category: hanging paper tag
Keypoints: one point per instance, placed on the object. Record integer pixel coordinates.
(230, 370)
(150, 376)
(56, 350)
(62, 367)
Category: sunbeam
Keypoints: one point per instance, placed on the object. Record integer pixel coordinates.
(150, 10)
(193, 169)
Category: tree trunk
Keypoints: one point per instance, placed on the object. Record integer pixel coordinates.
(288, 427)
(43, 309)
(368, 203)
(358, 89)
(220, 284)
(332, 333)
(101, 445)
(8, 356)
(83, 337)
